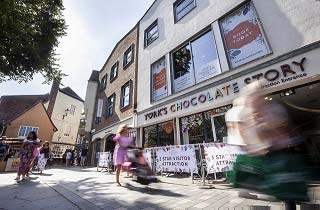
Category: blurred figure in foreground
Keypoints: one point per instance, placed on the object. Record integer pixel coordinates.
(262, 129)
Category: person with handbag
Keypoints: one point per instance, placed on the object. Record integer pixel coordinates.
(44, 156)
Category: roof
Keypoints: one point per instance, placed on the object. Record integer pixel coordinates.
(68, 91)
(13, 106)
(94, 76)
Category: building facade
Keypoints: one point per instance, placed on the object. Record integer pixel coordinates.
(115, 100)
(195, 57)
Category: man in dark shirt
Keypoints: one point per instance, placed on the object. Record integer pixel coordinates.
(84, 153)
(4, 148)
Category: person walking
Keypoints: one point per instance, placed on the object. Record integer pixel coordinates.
(123, 141)
(68, 158)
(43, 157)
(84, 153)
(26, 154)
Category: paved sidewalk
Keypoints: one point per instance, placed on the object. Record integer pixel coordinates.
(86, 189)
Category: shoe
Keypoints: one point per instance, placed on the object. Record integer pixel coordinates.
(17, 178)
(118, 184)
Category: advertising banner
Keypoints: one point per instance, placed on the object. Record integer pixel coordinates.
(159, 80)
(104, 159)
(12, 164)
(243, 36)
(181, 158)
(220, 157)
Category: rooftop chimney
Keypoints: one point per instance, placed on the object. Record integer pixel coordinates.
(52, 97)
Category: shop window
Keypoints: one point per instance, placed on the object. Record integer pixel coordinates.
(195, 62)
(159, 80)
(110, 144)
(151, 33)
(158, 135)
(182, 8)
(220, 128)
(197, 128)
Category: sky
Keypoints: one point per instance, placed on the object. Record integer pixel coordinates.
(94, 28)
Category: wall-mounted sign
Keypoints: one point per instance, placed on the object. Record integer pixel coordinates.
(243, 37)
(159, 80)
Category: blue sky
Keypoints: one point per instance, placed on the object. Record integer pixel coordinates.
(94, 27)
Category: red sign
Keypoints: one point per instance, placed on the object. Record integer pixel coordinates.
(160, 79)
(242, 34)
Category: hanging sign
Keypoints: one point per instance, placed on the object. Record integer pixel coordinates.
(180, 158)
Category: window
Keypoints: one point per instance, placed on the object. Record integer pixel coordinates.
(72, 109)
(243, 36)
(25, 130)
(99, 111)
(104, 82)
(197, 61)
(114, 71)
(158, 135)
(67, 131)
(159, 80)
(151, 33)
(125, 95)
(110, 105)
(128, 56)
(182, 8)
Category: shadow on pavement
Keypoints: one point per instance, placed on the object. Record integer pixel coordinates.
(153, 191)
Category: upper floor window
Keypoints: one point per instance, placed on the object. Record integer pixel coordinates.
(67, 130)
(128, 56)
(151, 33)
(114, 71)
(110, 105)
(159, 88)
(72, 109)
(104, 82)
(125, 95)
(182, 8)
(25, 130)
(194, 66)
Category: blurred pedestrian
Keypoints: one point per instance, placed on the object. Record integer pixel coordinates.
(68, 158)
(4, 148)
(84, 152)
(26, 154)
(43, 157)
(268, 165)
(123, 141)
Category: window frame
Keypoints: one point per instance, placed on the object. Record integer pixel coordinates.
(122, 95)
(147, 30)
(152, 81)
(67, 130)
(72, 109)
(26, 131)
(115, 66)
(124, 63)
(104, 82)
(176, 4)
(108, 105)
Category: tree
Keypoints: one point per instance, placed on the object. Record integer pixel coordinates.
(29, 33)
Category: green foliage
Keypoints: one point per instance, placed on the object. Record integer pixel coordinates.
(29, 33)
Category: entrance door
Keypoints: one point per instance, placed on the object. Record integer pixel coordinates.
(219, 128)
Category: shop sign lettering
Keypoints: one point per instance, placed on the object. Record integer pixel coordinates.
(285, 73)
(158, 113)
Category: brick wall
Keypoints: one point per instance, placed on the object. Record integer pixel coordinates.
(125, 74)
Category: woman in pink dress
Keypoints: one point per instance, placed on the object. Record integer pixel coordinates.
(123, 141)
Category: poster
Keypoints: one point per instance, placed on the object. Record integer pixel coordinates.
(105, 159)
(220, 157)
(12, 164)
(243, 36)
(180, 158)
(159, 80)
(207, 71)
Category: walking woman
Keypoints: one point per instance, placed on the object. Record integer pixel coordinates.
(123, 141)
(26, 154)
(44, 156)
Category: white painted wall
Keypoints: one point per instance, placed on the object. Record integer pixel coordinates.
(63, 102)
(89, 104)
(288, 25)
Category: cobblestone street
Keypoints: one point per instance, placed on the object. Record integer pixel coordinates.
(74, 188)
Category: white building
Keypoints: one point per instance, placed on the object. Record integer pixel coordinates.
(195, 56)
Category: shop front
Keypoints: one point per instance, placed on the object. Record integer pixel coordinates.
(198, 117)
